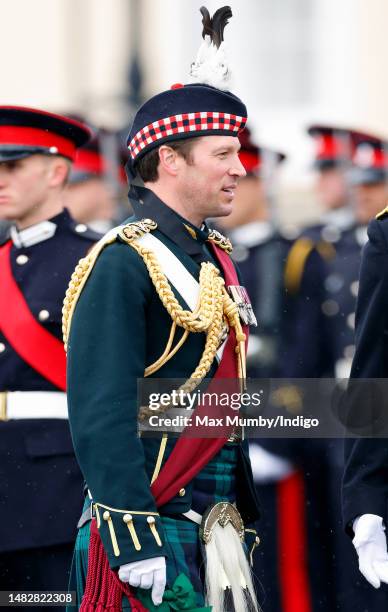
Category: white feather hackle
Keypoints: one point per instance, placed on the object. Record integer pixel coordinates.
(211, 66)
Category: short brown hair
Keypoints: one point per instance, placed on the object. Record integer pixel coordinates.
(148, 165)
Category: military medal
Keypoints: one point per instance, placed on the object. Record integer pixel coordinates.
(240, 296)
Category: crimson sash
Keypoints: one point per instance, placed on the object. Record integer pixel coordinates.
(34, 344)
(190, 455)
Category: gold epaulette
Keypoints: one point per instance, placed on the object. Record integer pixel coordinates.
(128, 233)
(382, 214)
(295, 264)
(222, 241)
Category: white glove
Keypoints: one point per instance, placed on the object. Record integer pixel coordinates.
(146, 574)
(371, 546)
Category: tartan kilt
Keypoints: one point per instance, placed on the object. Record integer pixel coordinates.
(215, 483)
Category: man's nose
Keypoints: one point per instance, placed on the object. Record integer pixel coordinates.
(238, 169)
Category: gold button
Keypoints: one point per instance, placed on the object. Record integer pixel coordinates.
(21, 259)
(150, 520)
(127, 518)
(106, 515)
(182, 492)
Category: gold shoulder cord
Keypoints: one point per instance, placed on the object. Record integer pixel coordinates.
(77, 283)
(295, 264)
(213, 308)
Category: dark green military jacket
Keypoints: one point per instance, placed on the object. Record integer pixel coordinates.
(119, 327)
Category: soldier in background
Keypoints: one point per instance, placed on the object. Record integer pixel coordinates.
(260, 252)
(95, 182)
(299, 562)
(368, 178)
(321, 277)
(305, 355)
(365, 476)
(41, 484)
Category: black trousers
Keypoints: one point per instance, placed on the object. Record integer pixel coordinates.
(36, 569)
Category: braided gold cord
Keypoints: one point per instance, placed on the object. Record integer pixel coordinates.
(214, 309)
(168, 353)
(76, 284)
(210, 284)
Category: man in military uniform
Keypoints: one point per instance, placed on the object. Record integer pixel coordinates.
(308, 352)
(369, 177)
(260, 252)
(129, 310)
(324, 265)
(365, 481)
(40, 479)
(303, 355)
(95, 182)
(369, 191)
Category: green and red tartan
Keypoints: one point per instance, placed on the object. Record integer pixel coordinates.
(215, 483)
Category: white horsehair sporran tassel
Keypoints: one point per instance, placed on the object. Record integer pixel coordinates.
(228, 574)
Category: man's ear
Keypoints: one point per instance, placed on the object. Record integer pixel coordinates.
(169, 160)
(59, 171)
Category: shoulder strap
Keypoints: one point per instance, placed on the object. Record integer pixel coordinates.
(192, 452)
(179, 276)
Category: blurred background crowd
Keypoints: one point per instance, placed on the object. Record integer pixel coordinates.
(312, 73)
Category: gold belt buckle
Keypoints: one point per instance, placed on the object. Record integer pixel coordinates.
(3, 406)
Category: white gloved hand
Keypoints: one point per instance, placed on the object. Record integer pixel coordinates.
(146, 574)
(371, 546)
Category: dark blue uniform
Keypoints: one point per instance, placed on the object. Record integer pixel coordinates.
(260, 259)
(365, 483)
(321, 344)
(261, 252)
(40, 482)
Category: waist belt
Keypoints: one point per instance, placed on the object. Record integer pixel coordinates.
(32, 405)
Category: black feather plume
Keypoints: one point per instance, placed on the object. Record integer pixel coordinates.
(220, 20)
(214, 26)
(206, 22)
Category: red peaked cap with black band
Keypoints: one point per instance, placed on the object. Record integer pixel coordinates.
(253, 156)
(28, 131)
(370, 159)
(103, 156)
(333, 146)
